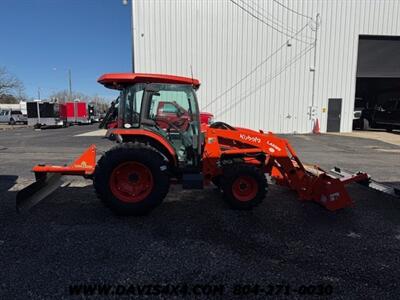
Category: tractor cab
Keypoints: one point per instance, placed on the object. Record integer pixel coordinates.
(161, 104)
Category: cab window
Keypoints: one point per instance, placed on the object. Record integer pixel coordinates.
(131, 102)
(168, 108)
(174, 99)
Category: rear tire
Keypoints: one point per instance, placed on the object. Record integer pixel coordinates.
(12, 122)
(131, 179)
(244, 186)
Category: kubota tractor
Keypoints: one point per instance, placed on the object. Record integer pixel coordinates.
(154, 151)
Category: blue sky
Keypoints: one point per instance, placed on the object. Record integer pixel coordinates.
(42, 39)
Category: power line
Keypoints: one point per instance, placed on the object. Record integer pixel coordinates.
(272, 77)
(288, 28)
(262, 21)
(292, 10)
(254, 70)
(278, 22)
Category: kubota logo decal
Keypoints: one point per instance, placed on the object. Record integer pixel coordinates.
(273, 146)
(249, 138)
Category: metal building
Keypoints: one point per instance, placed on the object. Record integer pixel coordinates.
(255, 58)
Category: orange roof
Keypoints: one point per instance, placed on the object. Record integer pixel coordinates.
(115, 80)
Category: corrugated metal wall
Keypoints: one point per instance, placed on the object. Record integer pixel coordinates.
(250, 77)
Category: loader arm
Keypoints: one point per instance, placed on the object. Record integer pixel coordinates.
(282, 163)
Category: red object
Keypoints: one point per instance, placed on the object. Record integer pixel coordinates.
(245, 188)
(113, 124)
(316, 129)
(74, 112)
(165, 116)
(154, 137)
(172, 116)
(282, 163)
(205, 117)
(117, 80)
(83, 165)
(131, 182)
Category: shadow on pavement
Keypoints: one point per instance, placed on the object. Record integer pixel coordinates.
(7, 182)
(194, 237)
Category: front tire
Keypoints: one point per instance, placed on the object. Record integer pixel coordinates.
(12, 122)
(244, 186)
(131, 179)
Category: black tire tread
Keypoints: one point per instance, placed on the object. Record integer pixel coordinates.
(100, 178)
(231, 173)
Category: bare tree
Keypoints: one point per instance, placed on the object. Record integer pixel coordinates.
(64, 96)
(10, 85)
(100, 103)
(8, 99)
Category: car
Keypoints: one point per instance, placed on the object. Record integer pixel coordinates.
(385, 115)
(12, 117)
(171, 116)
(359, 106)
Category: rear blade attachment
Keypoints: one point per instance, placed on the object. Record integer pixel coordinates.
(370, 183)
(48, 178)
(37, 191)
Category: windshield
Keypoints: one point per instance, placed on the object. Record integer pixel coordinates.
(171, 103)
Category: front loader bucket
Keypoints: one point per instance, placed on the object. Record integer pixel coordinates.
(330, 191)
(49, 178)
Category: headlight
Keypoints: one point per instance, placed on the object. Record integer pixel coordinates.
(357, 114)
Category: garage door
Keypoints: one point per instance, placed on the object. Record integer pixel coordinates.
(378, 57)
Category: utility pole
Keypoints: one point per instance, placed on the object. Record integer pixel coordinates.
(38, 92)
(70, 84)
(312, 109)
(125, 2)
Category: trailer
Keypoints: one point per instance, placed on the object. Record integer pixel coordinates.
(43, 114)
(75, 112)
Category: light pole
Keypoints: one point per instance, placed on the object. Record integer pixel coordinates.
(70, 84)
(125, 2)
(313, 109)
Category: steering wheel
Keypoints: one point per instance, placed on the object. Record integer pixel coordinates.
(222, 125)
(174, 126)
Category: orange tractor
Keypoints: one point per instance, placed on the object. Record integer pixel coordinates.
(153, 152)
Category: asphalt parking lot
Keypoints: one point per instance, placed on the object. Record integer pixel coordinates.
(193, 237)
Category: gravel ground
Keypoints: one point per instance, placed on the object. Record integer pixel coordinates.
(193, 237)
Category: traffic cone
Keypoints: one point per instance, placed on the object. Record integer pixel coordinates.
(316, 129)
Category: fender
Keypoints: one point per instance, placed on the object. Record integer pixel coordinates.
(161, 144)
